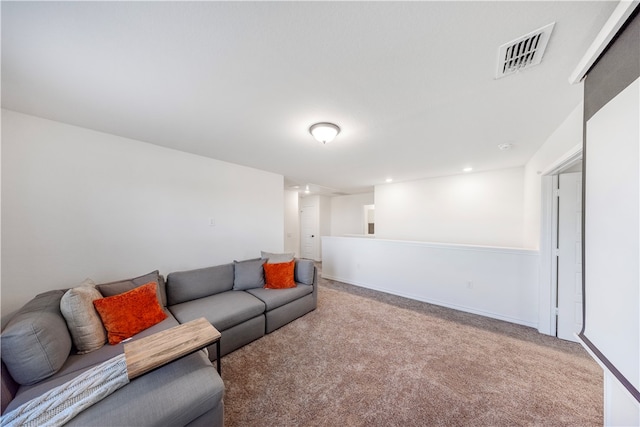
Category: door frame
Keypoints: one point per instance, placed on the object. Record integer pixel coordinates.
(548, 285)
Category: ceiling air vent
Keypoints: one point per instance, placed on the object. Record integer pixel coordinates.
(523, 52)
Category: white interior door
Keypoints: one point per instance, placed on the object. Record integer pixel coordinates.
(309, 232)
(569, 256)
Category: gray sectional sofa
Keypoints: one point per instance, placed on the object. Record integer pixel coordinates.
(37, 348)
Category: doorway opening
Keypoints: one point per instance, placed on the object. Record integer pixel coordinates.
(369, 220)
(309, 229)
(561, 248)
(569, 253)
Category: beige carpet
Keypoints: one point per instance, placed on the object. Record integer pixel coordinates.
(365, 358)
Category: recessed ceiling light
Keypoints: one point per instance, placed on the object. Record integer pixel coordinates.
(388, 180)
(504, 147)
(467, 169)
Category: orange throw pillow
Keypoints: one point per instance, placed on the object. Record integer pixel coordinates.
(279, 276)
(126, 314)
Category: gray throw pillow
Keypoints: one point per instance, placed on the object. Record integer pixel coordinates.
(274, 258)
(304, 271)
(248, 274)
(36, 342)
(84, 323)
(116, 288)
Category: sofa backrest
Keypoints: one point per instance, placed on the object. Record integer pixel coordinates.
(124, 285)
(183, 286)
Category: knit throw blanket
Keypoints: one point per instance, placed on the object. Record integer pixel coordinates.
(64, 402)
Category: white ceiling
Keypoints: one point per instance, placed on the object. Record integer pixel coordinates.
(410, 83)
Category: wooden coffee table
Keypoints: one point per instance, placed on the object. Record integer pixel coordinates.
(148, 353)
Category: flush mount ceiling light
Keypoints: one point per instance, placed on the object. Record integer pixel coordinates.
(467, 169)
(324, 132)
(505, 147)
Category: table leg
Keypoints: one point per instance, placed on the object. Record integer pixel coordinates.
(218, 361)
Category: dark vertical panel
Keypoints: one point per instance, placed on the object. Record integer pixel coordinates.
(616, 69)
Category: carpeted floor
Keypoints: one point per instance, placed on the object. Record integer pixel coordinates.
(365, 358)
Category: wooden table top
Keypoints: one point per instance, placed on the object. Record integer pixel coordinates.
(148, 353)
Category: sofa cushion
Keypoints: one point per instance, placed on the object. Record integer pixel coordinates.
(274, 298)
(276, 258)
(222, 310)
(248, 274)
(114, 288)
(279, 276)
(126, 314)
(172, 395)
(87, 332)
(182, 390)
(36, 342)
(183, 286)
(304, 271)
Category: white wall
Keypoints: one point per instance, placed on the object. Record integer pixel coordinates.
(78, 203)
(567, 136)
(483, 208)
(620, 408)
(325, 217)
(347, 213)
(291, 222)
(612, 245)
(496, 282)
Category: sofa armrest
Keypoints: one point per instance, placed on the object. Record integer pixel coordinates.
(9, 388)
(305, 272)
(315, 287)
